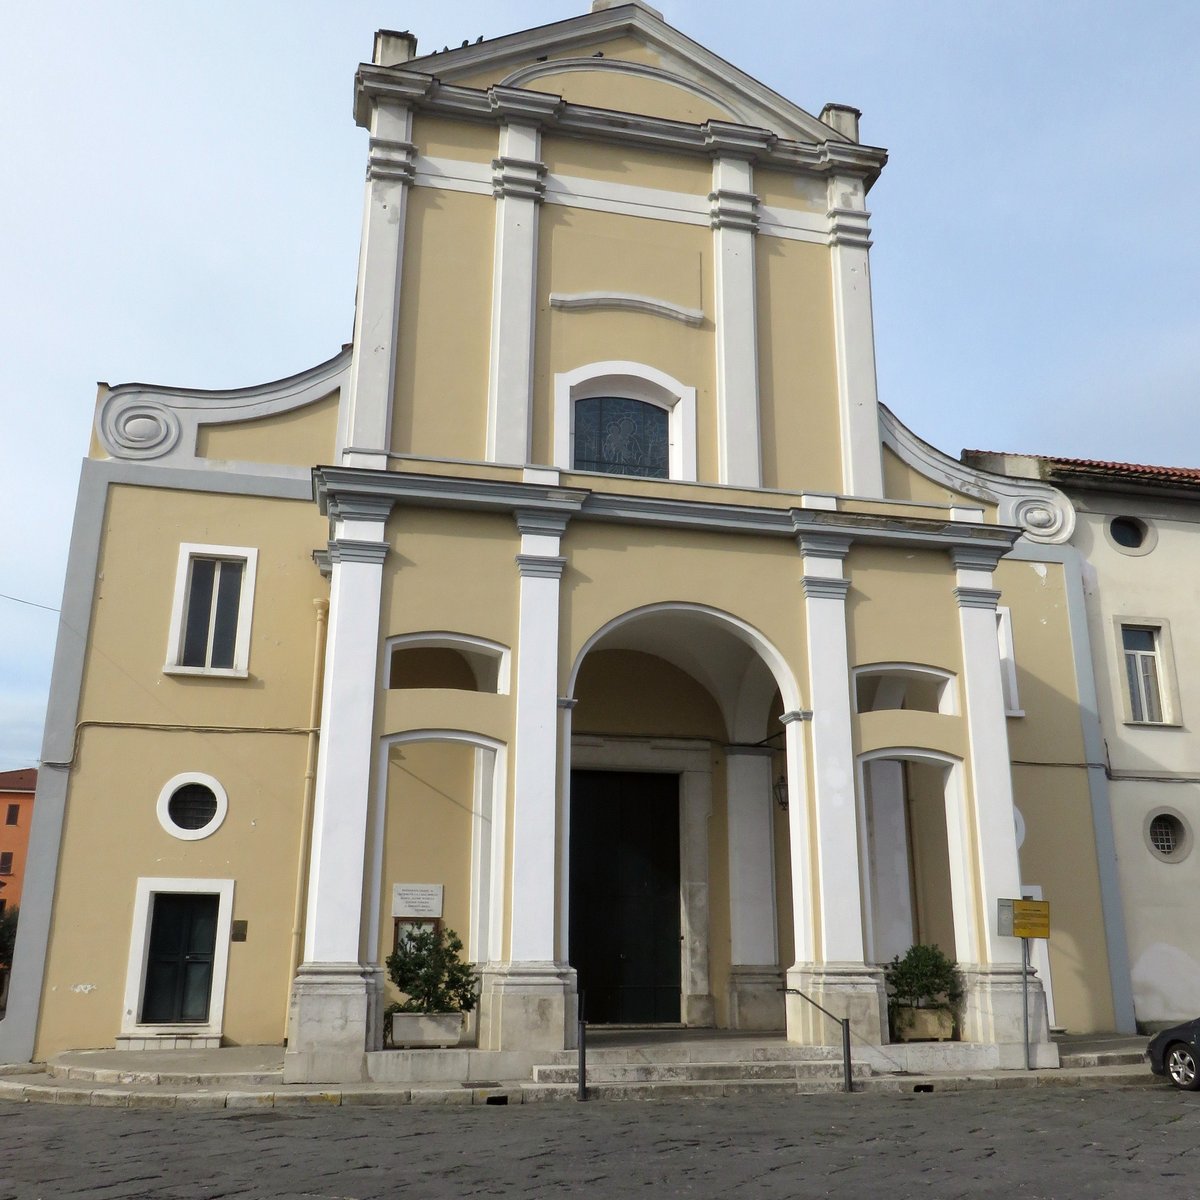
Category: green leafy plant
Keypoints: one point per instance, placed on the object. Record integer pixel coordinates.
(8, 935)
(428, 969)
(924, 978)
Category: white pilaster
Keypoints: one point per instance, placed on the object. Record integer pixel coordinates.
(836, 976)
(734, 222)
(518, 185)
(367, 428)
(331, 996)
(999, 870)
(529, 1001)
(854, 335)
(755, 999)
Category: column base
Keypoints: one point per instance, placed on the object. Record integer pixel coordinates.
(756, 998)
(852, 990)
(527, 1006)
(992, 1011)
(328, 1023)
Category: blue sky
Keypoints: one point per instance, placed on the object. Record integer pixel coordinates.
(184, 181)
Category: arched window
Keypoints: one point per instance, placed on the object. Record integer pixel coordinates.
(624, 418)
(621, 436)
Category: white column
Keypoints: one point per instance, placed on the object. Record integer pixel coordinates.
(755, 1001)
(517, 183)
(837, 976)
(993, 1004)
(529, 1001)
(331, 1000)
(854, 335)
(367, 427)
(734, 222)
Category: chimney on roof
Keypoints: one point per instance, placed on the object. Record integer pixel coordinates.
(392, 48)
(843, 118)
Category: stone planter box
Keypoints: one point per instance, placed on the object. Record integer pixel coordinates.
(414, 1030)
(923, 1025)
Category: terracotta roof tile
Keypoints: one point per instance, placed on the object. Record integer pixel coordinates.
(24, 780)
(1097, 466)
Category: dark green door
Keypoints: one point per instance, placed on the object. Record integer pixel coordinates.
(624, 913)
(183, 936)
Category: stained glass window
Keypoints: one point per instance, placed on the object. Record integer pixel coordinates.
(620, 436)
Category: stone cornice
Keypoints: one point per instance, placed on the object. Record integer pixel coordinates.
(353, 550)
(734, 210)
(713, 139)
(391, 160)
(334, 486)
(538, 521)
(817, 587)
(540, 566)
(824, 545)
(972, 597)
(850, 227)
(520, 178)
(975, 558)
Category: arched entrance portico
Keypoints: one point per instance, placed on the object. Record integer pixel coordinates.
(693, 693)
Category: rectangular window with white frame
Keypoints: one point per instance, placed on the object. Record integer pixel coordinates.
(1008, 663)
(1149, 693)
(211, 614)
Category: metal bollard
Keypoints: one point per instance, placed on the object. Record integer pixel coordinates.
(848, 1084)
(581, 1094)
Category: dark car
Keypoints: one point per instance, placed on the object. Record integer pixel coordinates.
(1175, 1053)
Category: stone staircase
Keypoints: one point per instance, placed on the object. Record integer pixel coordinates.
(710, 1068)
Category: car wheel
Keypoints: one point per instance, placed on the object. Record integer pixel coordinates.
(1181, 1067)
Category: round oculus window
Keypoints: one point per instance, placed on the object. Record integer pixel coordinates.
(1131, 535)
(1168, 837)
(192, 806)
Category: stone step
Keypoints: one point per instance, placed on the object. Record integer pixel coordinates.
(143, 1077)
(682, 1089)
(733, 1050)
(638, 1072)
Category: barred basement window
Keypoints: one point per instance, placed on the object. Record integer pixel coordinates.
(192, 806)
(1167, 836)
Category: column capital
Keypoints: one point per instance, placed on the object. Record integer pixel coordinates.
(850, 227)
(518, 106)
(726, 140)
(390, 159)
(519, 178)
(824, 545)
(797, 714)
(539, 566)
(359, 508)
(734, 210)
(540, 521)
(355, 550)
(976, 597)
(567, 702)
(975, 558)
(819, 587)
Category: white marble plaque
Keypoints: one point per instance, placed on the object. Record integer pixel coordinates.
(417, 899)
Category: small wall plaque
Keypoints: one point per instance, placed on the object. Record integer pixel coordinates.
(237, 930)
(417, 900)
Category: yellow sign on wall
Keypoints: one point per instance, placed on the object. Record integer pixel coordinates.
(1024, 918)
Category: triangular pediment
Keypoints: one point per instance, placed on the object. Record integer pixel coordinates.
(626, 58)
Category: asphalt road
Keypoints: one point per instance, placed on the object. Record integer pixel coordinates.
(1022, 1145)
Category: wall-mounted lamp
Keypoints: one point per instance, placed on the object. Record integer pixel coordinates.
(780, 788)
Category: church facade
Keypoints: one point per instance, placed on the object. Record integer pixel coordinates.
(590, 590)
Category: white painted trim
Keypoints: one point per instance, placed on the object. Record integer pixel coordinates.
(162, 808)
(625, 302)
(636, 381)
(1008, 662)
(188, 551)
(142, 421)
(498, 655)
(518, 183)
(139, 949)
(734, 216)
(488, 845)
(948, 705)
(1042, 513)
(691, 760)
(742, 630)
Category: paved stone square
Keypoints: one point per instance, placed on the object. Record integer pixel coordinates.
(1044, 1144)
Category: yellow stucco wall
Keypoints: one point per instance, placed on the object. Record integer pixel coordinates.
(443, 137)
(627, 164)
(627, 92)
(302, 437)
(445, 325)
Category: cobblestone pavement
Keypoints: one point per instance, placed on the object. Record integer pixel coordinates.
(1022, 1145)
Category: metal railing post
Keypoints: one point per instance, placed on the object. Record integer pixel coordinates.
(581, 1038)
(844, 1022)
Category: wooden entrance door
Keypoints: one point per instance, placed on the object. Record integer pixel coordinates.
(625, 905)
(183, 937)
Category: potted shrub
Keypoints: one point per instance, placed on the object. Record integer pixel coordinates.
(438, 987)
(924, 992)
